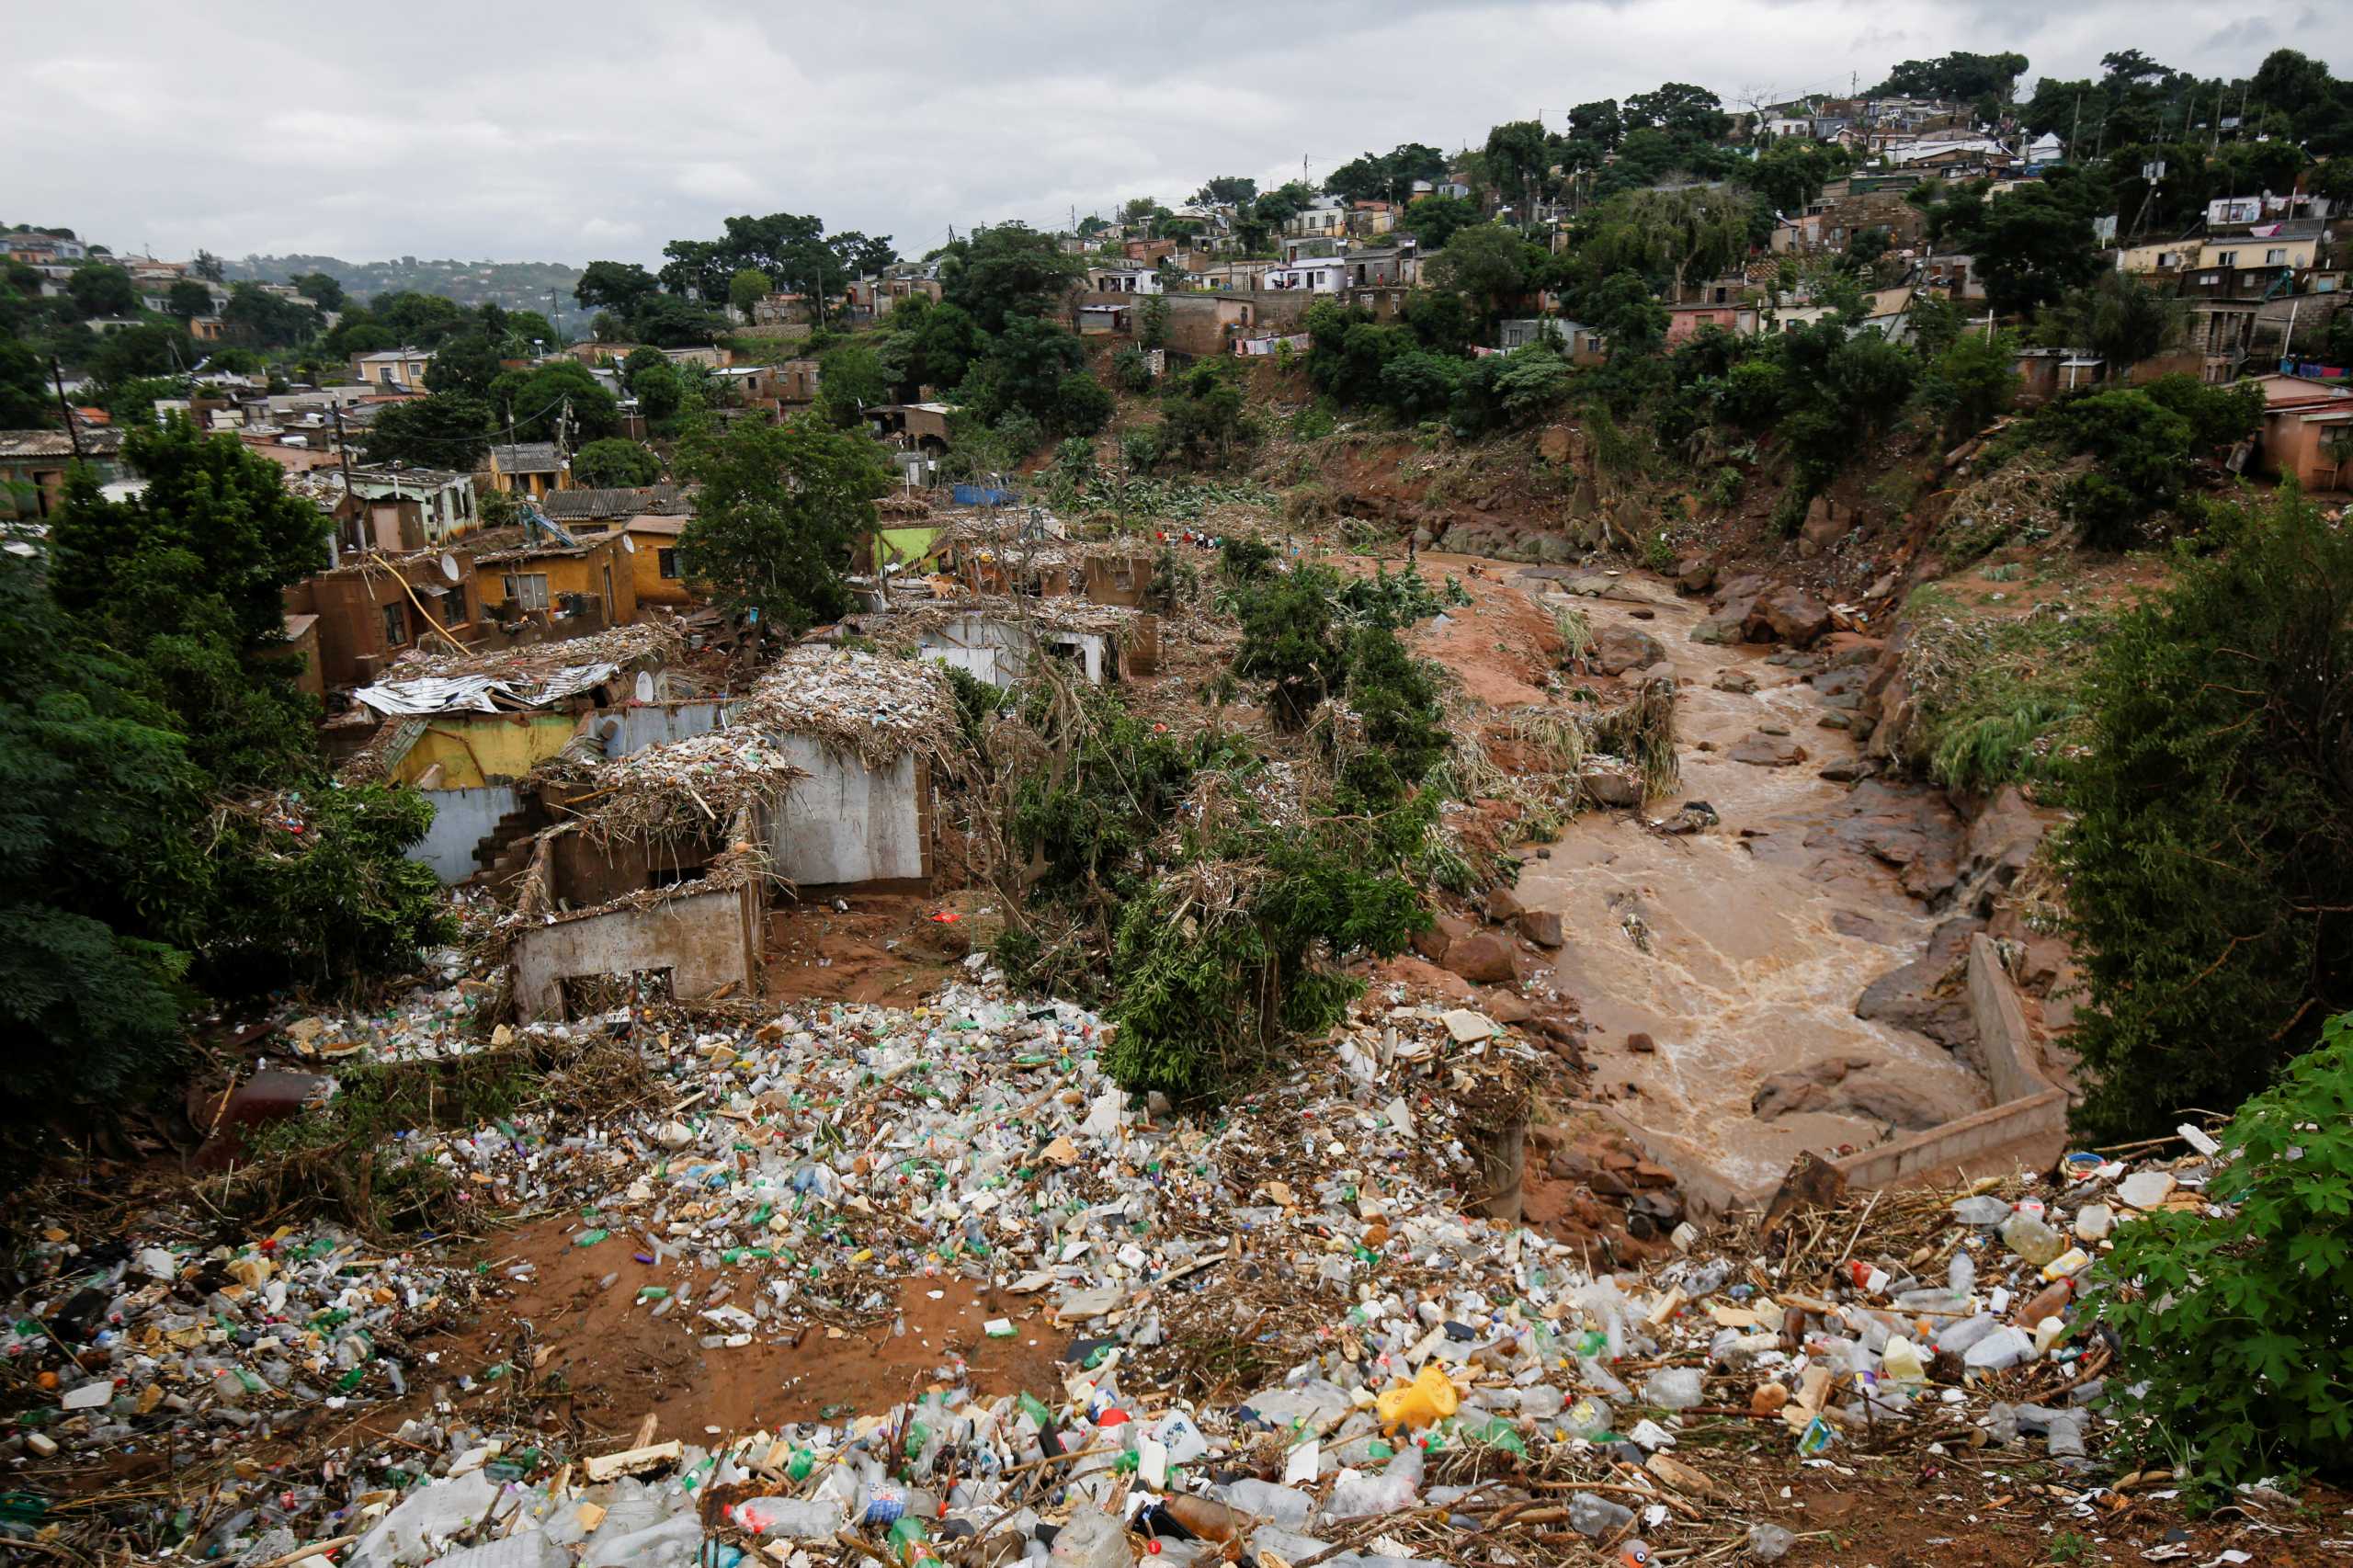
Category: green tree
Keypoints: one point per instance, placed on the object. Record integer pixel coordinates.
(150, 349)
(1006, 272)
(1485, 263)
(533, 402)
(26, 398)
(747, 288)
(188, 579)
(442, 430)
(100, 874)
(1959, 76)
(318, 286)
(2031, 248)
(1434, 219)
(778, 508)
(1972, 384)
(265, 319)
(468, 363)
(660, 392)
(620, 286)
(1519, 156)
(2231, 1315)
(100, 288)
(850, 379)
(615, 463)
(1294, 640)
(1226, 190)
(188, 299)
(1679, 109)
(2212, 844)
(2117, 317)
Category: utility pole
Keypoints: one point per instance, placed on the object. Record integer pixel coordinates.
(343, 454)
(73, 431)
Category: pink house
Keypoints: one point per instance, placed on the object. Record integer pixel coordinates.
(1682, 320)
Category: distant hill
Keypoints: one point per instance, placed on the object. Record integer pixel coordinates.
(516, 285)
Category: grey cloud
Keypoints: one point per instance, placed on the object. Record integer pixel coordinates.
(599, 129)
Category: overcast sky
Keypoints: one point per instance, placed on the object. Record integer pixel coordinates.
(591, 130)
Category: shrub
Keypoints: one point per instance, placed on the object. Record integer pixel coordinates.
(1132, 369)
(1971, 384)
(2213, 838)
(2237, 1346)
(1292, 640)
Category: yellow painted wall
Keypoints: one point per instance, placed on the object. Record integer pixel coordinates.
(571, 574)
(646, 565)
(474, 749)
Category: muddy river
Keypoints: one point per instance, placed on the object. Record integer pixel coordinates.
(1740, 952)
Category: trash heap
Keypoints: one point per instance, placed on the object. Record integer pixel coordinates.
(1283, 1333)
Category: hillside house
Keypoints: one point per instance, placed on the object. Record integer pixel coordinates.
(392, 369)
(33, 465)
(370, 611)
(526, 468)
(583, 585)
(2307, 433)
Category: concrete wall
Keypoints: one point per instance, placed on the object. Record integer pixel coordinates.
(704, 939)
(2027, 1105)
(1000, 652)
(848, 823)
(658, 724)
(461, 819)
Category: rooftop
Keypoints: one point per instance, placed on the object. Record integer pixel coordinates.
(526, 456)
(563, 505)
(25, 444)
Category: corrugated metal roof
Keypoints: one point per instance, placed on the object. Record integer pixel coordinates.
(36, 444)
(625, 503)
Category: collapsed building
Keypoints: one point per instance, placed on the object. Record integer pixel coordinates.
(657, 875)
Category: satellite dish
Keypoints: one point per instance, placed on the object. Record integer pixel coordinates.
(629, 542)
(644, 686)
(448, 566)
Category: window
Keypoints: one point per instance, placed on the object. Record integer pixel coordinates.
(2226, 258)
(2276, 257)
(453, 607)
(666, 562)
(395, 625)
(527, 590)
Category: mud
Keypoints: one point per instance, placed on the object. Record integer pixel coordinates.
(1742, 950)
(617, 1362)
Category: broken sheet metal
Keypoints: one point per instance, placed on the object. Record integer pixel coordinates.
(483, 694)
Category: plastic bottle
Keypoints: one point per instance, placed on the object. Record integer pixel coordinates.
(1393, 1490)
(1287, 1506)
(1635, 1554)
(2028, 1236)
(1961, 1275)
(1596, 1516)
(790, 1518)
(1207, 1519)
(1770, 1543)
(1981, 1211)
(1902, 1362)
(2047, 1302)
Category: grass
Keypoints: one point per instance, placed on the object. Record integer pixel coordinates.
(1576, 634)
(1996, 698)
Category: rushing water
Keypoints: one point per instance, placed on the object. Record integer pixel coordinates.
(1739, 950)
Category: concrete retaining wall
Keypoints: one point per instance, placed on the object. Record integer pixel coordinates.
(2027, 1105)
(659, 723)
(847, 823)
(704, 939)
(461, 819)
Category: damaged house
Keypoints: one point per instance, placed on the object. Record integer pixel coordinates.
(822, 778)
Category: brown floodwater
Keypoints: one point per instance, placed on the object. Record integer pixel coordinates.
(1739, 950)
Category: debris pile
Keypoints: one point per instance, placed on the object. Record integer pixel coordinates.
(1289, 1330)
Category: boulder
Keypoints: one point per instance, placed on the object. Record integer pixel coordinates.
(1617, 648)
(1768, 751)
(1641, 1044)
(1482, 958)
(1826, 523)
(1930, 995)
(1607, 781)
(1503, 904)
(1803, 1088)
(1541, 926)
(1695, 574)
(1507, 1006)
(1788, 614)
(1739, 682)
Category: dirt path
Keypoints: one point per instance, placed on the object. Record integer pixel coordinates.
(1740, 952)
